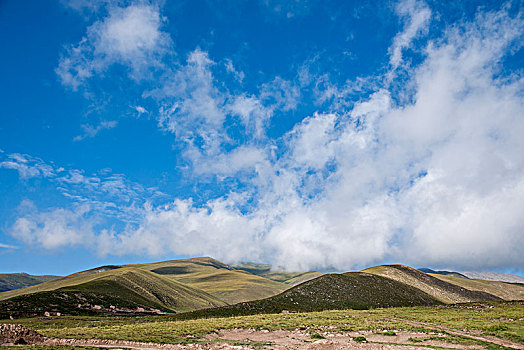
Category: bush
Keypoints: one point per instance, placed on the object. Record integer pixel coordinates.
(415, 340)
(317, 336)
(360, 339)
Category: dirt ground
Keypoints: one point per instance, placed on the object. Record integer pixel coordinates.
(281, 339)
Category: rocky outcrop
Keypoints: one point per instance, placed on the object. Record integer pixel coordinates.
(18, 334)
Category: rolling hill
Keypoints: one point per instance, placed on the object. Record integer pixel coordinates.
(123, 288)
(444, 291)
(175, 286)
(352, 290)
(289, 278)
(218, 279)
(437, 272)
(202, 287)
(494, 276)
(503, 290)
(10, 281)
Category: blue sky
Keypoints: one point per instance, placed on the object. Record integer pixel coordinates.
(328, 135)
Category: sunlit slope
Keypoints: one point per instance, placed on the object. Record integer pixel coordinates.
(150, 287)
(216, 278)
(124, 288)
(71, 280)
(503, 290)
(440, 289)
(128, 283)
(289, 278)
(353, 290)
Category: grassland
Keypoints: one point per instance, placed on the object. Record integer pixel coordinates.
(125, 287)
(289, 278)
(440, 289)
(177, 285)
(501, 320)
(215, 278)
(333, 291)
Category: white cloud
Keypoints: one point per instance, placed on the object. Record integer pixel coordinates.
(230, 68)
(280, 93)
(7, 246)
(192, 104)
(92, 131)
(438, 180)
(129, 36)
(27, 166)
(55, 228)
(105, 193)
(140, 110)
(416, 15)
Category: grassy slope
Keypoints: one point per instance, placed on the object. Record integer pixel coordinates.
(289, 278)
(202, 274)
(503, 290)
(10, 281)
(71, 280)
(499, 319)
(353, 290)
(218, 279)
(440, 289)
(125, 287)
(150, 287)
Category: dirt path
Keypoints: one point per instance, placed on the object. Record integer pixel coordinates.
(297, 339)
(488, 339)
(279, 339)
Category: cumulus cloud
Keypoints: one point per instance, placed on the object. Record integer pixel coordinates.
(130, 36)
(436, 180)
(55, 228)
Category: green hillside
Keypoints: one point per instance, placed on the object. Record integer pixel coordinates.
(503, 290)
(71, 280)
(440, 289)
(218, 279)
(123, 288)
(10, 281)
(177, 285)
(353, 290)
(289, 278)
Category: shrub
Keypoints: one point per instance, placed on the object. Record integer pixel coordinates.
(415, 340)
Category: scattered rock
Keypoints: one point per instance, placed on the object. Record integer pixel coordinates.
(18, 335)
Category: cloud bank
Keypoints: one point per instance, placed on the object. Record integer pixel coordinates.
(437, 180)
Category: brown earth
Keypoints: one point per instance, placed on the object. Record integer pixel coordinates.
(17, 334)
(265, 339)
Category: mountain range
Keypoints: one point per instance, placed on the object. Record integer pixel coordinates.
(207, 287)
